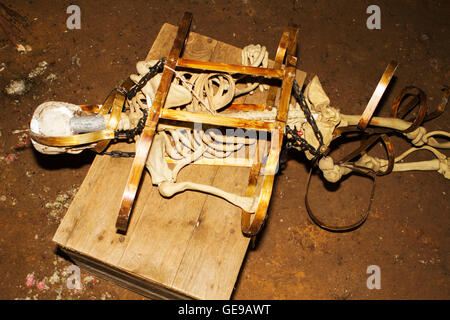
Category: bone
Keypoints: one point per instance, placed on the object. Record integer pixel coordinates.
(164, 177)
(52, 118)
(333, 172)
(248, 204)
(177, 96)
(254, 56)
(440, 164)
(418, 137)
(156, 164)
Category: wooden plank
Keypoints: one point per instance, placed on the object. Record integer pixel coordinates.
(160, 240)
(130, 281)
(159, 48)
(229, 68)
(162, 235)
(246, 107)
(88, 226)
(219, 120)
(203, 266)
(146, 138)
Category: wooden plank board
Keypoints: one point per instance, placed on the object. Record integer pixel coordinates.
(188, 246)
(151, 124)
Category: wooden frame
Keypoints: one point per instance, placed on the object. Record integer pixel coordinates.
(251, 223)
(188, 246)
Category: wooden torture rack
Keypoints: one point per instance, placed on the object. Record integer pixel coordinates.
(193, 244)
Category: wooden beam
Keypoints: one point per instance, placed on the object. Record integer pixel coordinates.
(286, 87)
(246, 107)
(230, 68)
(232, 162)
(143, 147)
(251, 227)
(279, 58)
(217, 120)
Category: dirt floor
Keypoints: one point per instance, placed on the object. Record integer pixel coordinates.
(407, 233)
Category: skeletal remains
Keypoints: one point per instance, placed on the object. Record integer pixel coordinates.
(176, 145)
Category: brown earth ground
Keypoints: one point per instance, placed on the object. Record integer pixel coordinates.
(407, 233)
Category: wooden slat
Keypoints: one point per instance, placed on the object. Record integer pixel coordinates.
(223, 67)
(252, 225)
(238, 162)
(279, 58)
(246, 107)
(290, 66)
(145, 142)
(162, 234)
(218, 120)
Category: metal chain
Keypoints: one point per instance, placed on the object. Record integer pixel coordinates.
(304, 105)
(295, 138)
(118, 154)
(158, 67)
(131, 133)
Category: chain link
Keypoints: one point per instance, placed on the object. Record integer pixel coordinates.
(309, 117)
(118, 154)
(158, 67)
(294, 139)
(131, 133)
